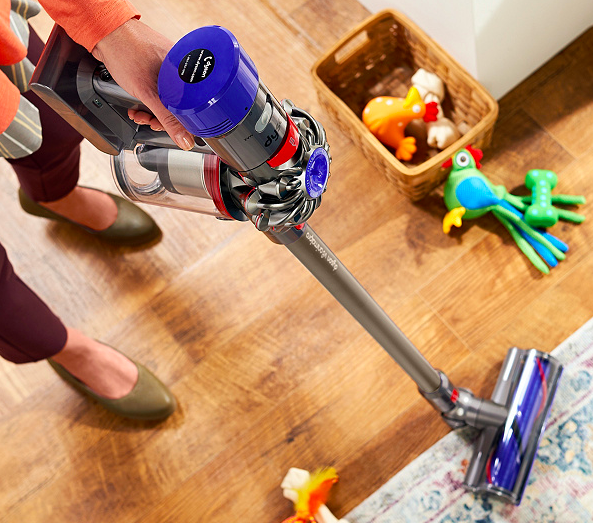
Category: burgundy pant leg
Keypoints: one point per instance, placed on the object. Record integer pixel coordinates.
(51, 172)
(29, 331)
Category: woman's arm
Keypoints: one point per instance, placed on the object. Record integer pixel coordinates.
(89, 21)
(131, 51)
(10, 97)
(133, 55)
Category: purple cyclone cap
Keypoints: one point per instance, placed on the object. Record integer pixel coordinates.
(208, 81)
(317, 172)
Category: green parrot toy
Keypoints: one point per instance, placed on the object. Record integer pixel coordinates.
(469, 194)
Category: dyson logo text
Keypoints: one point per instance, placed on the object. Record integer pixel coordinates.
(323, 253)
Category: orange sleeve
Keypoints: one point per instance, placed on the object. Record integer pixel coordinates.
(89, 21)
(12, 49)
(10, 96)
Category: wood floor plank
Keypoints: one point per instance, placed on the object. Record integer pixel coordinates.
(518, 145)
(553, 316)
(326, 21)
(565, 111)
(17, 383)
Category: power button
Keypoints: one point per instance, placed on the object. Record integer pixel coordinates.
(265, 117)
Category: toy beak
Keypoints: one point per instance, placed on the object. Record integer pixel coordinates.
(413, 97)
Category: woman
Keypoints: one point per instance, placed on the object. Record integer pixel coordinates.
(44, 152)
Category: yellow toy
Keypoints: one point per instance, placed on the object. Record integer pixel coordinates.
(387, 117)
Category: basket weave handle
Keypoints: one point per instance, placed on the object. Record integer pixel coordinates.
(360, 38)
(350, 46)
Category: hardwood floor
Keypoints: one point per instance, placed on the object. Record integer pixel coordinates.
(270, 372)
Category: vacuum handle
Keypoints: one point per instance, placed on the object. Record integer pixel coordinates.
(147, 136)
(310, 250)
(106, 87)
(111, 92)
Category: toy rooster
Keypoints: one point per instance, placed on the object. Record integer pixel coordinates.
(387, 117)
(309, 492)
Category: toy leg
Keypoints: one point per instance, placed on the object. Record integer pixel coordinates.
(523, 244)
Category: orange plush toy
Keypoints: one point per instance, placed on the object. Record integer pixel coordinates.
(387, 117)
(309, 493)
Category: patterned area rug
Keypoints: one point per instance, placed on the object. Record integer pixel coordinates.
(560, 488)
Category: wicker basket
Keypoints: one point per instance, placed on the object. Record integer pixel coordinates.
(378, 58)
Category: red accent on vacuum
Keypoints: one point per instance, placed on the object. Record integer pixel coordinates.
(289, 145)
(212, 179)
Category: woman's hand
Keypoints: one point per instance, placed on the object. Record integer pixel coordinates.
(133, 55)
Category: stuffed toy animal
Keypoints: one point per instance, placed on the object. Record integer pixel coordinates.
(442, 132)
(387, 117)
(309, 492)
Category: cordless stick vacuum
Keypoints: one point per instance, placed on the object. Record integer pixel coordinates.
(268, 162)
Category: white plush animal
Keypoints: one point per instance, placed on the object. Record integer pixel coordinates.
(443, 132)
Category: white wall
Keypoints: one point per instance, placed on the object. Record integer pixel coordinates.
(499, 42)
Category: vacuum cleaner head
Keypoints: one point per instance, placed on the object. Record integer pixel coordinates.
(503, 456)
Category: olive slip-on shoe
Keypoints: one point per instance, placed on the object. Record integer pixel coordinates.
(131, 227)
(150, 399)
